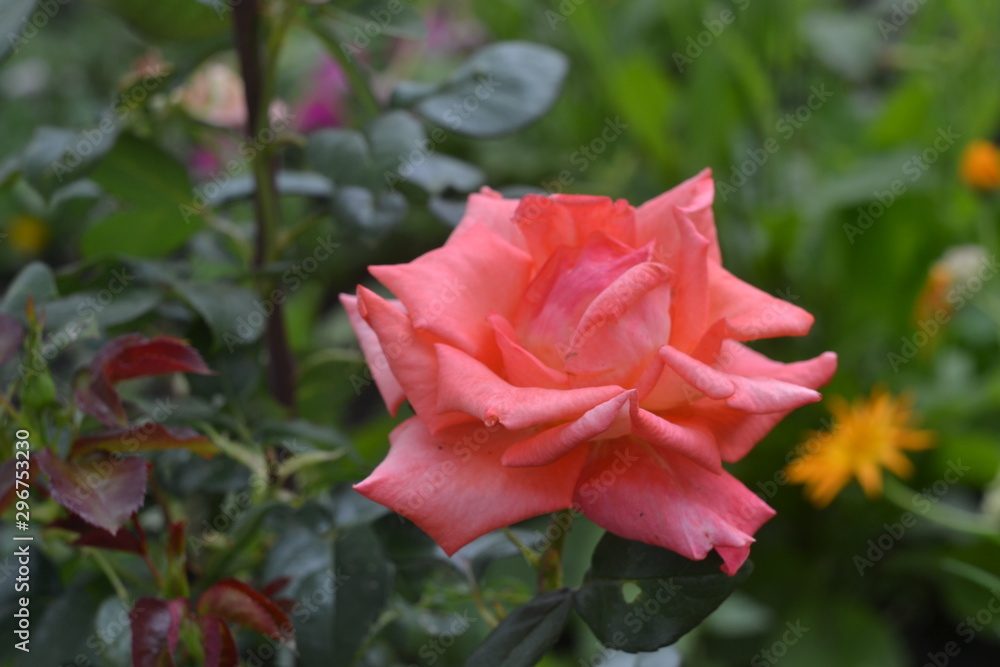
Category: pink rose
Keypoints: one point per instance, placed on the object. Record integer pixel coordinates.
(575, 352)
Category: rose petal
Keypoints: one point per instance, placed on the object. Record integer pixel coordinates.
(466, 385)
(489, 208)
(457, 489)
(450, 291)
(693, 198)
(636, 303)
(521, 367)
(388, 385)
(410, 355)
(549, 223)
(642, 493)
(551, 444)
(751, 313)
(689, 310)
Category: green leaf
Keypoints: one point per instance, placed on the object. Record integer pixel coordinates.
(51, 157)
(527, 634)
(500, 89)
(437, 173)
(35, 280)
(341, 155)
(13, 13)
(361, 208)
(155, 192)
(93, 305)
(638, 597)
(393, 136)
(367, 579)
(234, 314)
(173, 20)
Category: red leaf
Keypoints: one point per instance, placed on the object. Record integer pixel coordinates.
(220, 648)
(146, 437)
(124, 540)
(155, 629)
(103, 492)
(272, 589)
(11, 337)
(176, 542)
(133, 356)
(235, 601)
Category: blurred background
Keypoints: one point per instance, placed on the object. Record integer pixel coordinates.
(852, 144)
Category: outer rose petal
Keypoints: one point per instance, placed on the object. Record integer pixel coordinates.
(737, 431)
(488, 207)
(694, 198)
(646, 494)
(689, 310)
(410, 355)
(388, 385)
(451, 290)
(466, 385)
(751, 313)
(458, 490)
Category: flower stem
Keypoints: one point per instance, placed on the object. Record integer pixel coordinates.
(937, 512)
(549, 565)
(247, 37)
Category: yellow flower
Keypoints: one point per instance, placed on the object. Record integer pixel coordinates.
(980, 165)
(28, 235)
(868, 435)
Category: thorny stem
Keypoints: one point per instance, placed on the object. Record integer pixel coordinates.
(247, 37)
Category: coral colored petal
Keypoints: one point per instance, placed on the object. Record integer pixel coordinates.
(751, 313)
(457, 489)
(687, 438)
(709, 381)
(737, 431)
(689, 310)
(466, 385)
(521, 367)
(450, 291)
(552, 444)
(549, 223)
(643, 493)
(488, 207)
(694, 198)
(622, 328)
(388, 385)
(410, 356)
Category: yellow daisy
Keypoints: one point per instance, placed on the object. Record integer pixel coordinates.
(867, 436)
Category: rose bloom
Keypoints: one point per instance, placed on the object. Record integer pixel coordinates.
(575, 352)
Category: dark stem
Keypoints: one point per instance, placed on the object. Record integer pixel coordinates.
(246, 35)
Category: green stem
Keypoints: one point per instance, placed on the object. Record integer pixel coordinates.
(110, 573)
(938, 512)
(246, 34)
(549, 567)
